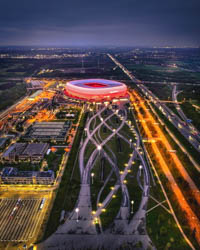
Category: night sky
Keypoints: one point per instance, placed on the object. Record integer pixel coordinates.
(102, 22)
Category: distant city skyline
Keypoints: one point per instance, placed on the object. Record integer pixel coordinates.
(100, 23)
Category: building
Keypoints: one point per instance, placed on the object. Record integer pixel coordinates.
(96, 90)
(35, 84)
(3, 142)
(34, 95)
(44, 177)
(10, 175)
(33, 152)
(48, 131)
(13, 152)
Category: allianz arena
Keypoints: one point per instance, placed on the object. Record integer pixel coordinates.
(96, 90)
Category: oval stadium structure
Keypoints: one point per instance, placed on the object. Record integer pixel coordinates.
(96, 90)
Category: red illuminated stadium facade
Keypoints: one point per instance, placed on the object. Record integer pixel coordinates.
(96, 90)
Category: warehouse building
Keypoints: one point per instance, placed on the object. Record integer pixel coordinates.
(48, 131)
(33, 152)
(10, 175)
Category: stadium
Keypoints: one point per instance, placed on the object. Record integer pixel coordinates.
(96, 90)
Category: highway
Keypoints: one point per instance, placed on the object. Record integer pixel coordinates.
(193, 220)
(184, 129)
(196, 165)
(177, 106)
(170, 207)
(182, 114)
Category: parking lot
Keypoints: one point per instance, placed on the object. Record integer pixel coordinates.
(19, 218)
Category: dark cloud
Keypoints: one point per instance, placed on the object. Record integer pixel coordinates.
(88, 22)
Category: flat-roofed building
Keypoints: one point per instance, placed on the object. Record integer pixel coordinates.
(3, 142)
(45, 177)
(13, 152)
(12, 176)
(34, 95)
(33, 152)
(48, 131)
(35, 84)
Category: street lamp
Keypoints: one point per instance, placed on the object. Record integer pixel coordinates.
(130, 140)
(77, 210)
(132, 202)
(140, 168)
(92, 175)
(99, 147)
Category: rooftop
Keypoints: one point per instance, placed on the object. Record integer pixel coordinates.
(36, 148)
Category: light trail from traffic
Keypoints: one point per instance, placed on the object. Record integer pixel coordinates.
(192, 219)
(164, 140)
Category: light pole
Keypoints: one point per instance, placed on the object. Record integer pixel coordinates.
(99, 148)
(132, 202)
(92, 175)
(77, 210)
(140, 168)
(130, 140)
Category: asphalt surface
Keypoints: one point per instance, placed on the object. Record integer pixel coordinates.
(81, 219)
(184, 128)
(19, 220)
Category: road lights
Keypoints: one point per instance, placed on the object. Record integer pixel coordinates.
(132, 202)
(130, 140)
(77, 211)
(99, 147)
(92, 175)
(96, 221)
(140, 168)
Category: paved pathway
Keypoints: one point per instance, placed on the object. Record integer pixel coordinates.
(79, 231)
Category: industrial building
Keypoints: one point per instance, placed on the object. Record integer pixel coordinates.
(3, 142)
(34, 95)
(48, 131)
(33, 152)
(35, 84)
(10, 175)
